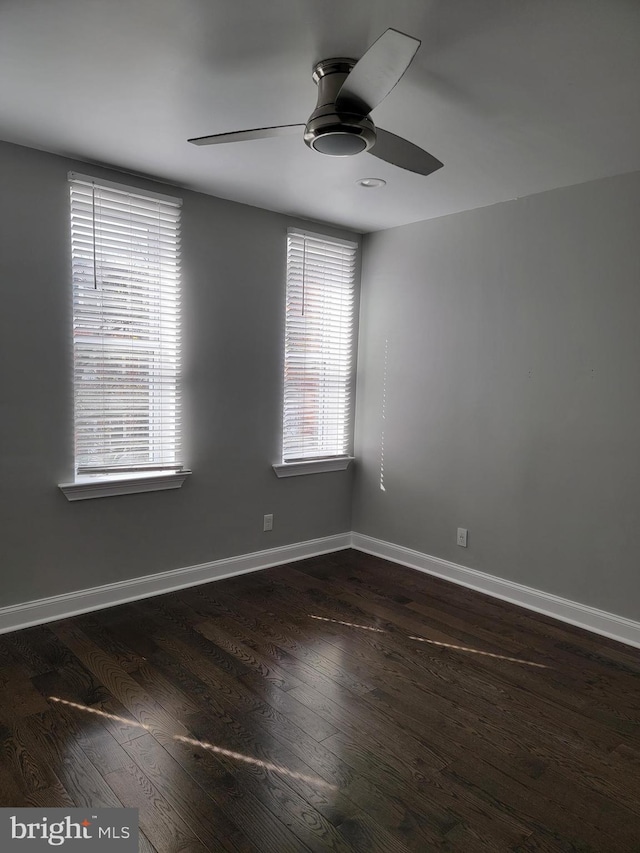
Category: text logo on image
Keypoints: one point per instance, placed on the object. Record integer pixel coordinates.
(86, 830)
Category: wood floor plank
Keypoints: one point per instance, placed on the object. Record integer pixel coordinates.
(288, 790)
(340, 703)
(260, 830)
(19, 698)
(366, 836)
(552, 750)
(79, 776)
(144, 845)
(12, 788)
(497, 615)
(304, 648)
(536, 684)
(258, 759)
(260, 665)
(542, 811)
(56, 797)
(144, 709)
(391, 802)
(278, 704)
(112, 642)
(160, 821)
(24, 762)
(76, 686)
(559, 723)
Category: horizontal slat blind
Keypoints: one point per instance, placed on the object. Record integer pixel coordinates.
(318, 346)
(125, 249)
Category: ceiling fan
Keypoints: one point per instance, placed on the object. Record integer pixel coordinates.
(348, 90)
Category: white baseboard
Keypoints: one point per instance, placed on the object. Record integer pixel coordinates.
(44, 610)
(598, 621)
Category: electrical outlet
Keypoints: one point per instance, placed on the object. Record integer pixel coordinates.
(462, 537)
(268, 522)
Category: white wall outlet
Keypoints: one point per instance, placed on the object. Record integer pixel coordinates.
(268, 522)
(462, 536)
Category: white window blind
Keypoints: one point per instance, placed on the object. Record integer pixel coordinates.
(318, 346)
(126, 328)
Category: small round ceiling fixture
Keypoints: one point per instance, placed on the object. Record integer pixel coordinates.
(371, 183)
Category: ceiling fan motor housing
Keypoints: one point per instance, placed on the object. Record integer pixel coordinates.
(337, 131)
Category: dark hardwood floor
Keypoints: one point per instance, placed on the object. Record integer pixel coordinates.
(336, 704)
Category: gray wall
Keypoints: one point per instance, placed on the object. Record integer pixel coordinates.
(512, 393)
(234, 269)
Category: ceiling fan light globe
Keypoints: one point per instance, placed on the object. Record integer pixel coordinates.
(339, 135)
(339, 144)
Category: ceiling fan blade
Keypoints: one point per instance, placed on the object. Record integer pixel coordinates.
(247, 135)
(400, 152)
(377, 72)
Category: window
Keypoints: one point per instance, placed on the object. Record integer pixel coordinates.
(319, 336)
(126, 339)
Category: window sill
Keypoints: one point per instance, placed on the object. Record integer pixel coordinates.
(85, 488)
(313, 466)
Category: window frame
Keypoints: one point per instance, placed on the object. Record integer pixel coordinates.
(104, 482)
(335, 461)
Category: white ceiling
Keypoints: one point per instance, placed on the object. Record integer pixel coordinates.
(514, 96)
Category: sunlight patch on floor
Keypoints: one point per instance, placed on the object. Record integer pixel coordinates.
(237, 756)
(348, 624)
(431, 642)
(478, 652)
